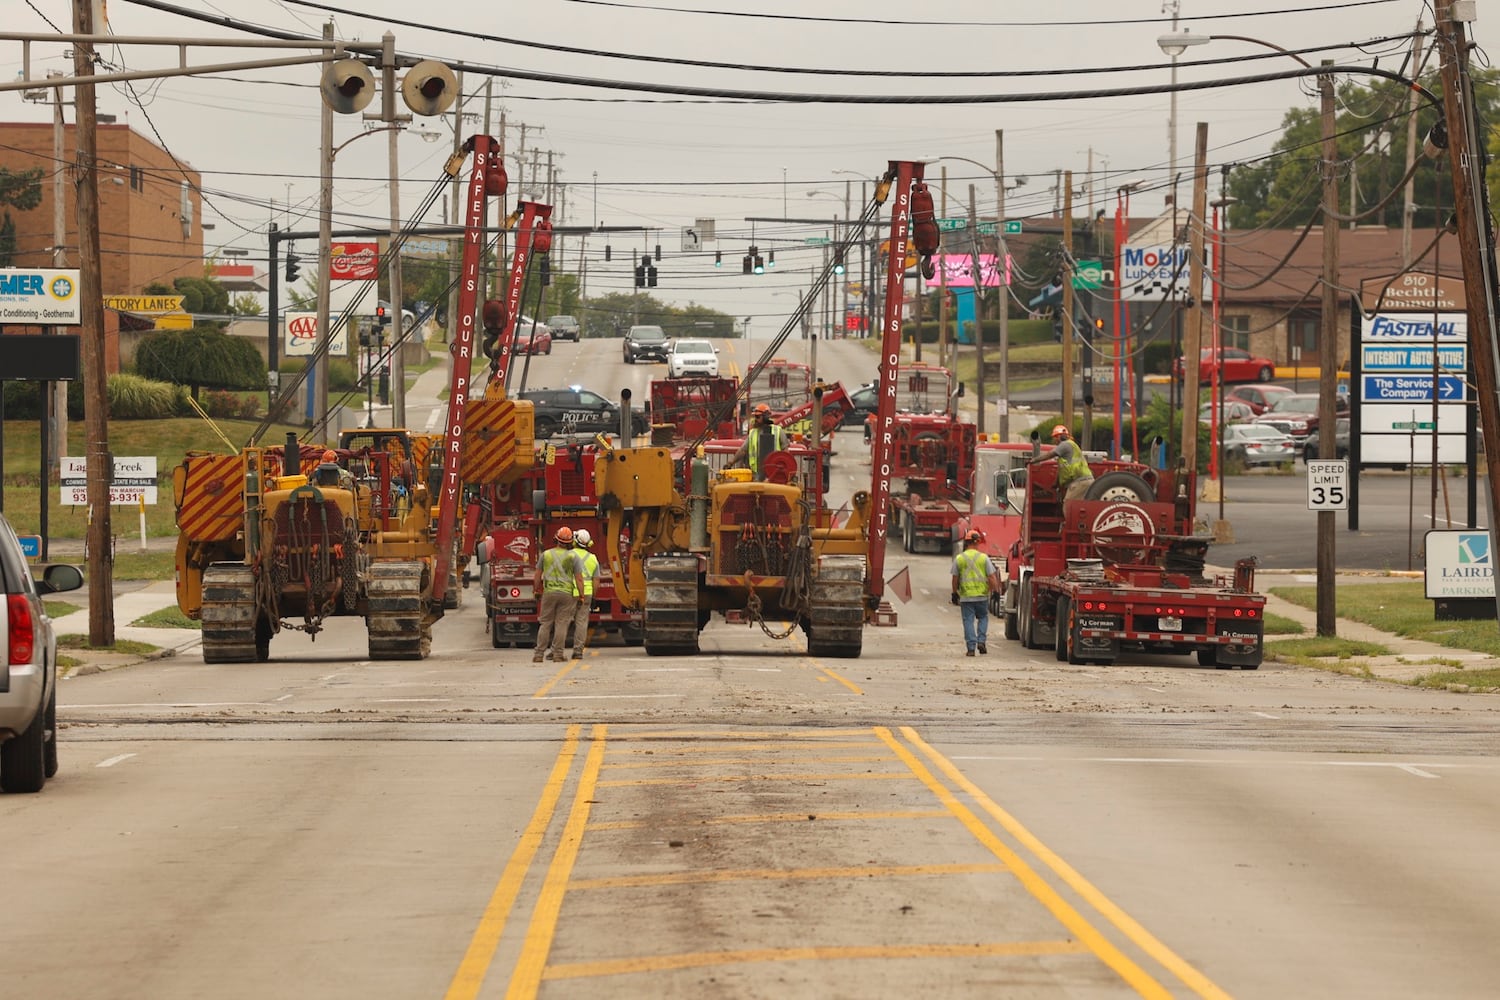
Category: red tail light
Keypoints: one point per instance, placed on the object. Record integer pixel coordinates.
(22, 629)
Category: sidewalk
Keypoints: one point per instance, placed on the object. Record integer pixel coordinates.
(1408, 658)
(128, 606)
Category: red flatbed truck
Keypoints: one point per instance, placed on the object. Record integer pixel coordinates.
(1122, 569)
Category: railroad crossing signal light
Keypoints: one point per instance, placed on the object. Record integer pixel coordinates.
(292, 268)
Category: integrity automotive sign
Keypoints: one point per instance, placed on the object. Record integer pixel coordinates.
(40, 296)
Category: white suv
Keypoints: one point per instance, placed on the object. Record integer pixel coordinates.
(28, 668)
(692, 357)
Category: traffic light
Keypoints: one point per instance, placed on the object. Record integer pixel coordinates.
(640, 271)
(546, 270)
(651, 276)
(760, 264)
(606, 251)
(749, 264)
(382, 316)
(838, 261)
(718, 258)
(771, 260)
(658, 251)
(292, 269)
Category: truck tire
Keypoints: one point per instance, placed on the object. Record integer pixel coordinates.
(1061, 634)
(497, 639)
(1208, 656)
(1027, 625)
(1121, 486)
(1012, 626)
(49, 743)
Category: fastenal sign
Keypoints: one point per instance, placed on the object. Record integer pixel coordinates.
(134, 480)
(40, 295)
(1459, 564)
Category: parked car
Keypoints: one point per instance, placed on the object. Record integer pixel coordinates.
(1297, 414)
(575, 410)
(1257, 444)
(1236, 365)
(529, 341)
(565, 328)
(692, 357)
(646, 342)
(28, 670)
(1231, 411)
(1259, 395)
(1340, 441)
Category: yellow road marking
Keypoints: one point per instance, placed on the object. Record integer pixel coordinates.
(686, 751)
(1190, 976)
(711, 734)
(717, 761)
(698, 960)
(481, 951)
(780, 874)
(541, 692)
(1070, 918)
(705, 779)
(847, 683)
(801, 817)
(529, 967)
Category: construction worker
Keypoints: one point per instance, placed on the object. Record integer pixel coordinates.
(331, 473)
(1074, 477)
(765, 437)
(557, 579)
(588, 570)
(974, 579)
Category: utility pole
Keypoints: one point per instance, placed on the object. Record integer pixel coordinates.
(1193, 328)
(320, 359)
(843, 319)
(398, 329)
(1475, 237)
(978, 310)
(1328, 351)
(1408, 206)
(1003, 265)
(1067, 303)
(58, 411)
(100, 461)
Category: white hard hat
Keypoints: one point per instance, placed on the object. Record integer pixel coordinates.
(582, 537)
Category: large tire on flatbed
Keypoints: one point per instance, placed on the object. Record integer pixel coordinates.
(1121, 486)
(835, 608)
(1027, 624)
(395, 619)
(670, 627)
(229, 615)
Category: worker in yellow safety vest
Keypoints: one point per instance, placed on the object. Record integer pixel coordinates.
(974, 578)
(556, 580)
(1074, 477)
(588, 571)
(765, 437)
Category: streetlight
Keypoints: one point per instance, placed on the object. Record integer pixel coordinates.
(1173, 45)
(1003, 296)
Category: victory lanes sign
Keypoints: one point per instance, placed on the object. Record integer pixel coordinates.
(1328, 484)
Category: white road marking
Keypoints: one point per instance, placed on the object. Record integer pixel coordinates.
(604, 697)
(410, 701)
(285, 697)
(1412, 769)
(1266, 715)
(112, 761)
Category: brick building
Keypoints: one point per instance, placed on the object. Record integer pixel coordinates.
(150, 218)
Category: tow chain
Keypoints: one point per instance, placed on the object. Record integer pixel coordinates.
(752, 608)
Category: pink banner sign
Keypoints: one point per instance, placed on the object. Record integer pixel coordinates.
(958, 271)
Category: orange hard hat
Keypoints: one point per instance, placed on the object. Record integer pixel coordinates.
(329, 456)
(763, 408)
(974, 536)
(1060, 430)
(564, 534)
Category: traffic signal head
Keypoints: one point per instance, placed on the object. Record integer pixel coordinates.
(651, 277)
(749, 263)
(760, 264)
(292, 268)
(546, 270)
(838, 261)
(382, 316)
(606, 251)
(640, 276)
(718, 258)
(658, 251)
(771, 260)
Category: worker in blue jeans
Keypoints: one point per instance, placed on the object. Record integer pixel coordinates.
(974, 577)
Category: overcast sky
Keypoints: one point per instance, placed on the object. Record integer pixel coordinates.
(639, 159)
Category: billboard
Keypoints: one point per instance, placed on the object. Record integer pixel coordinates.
(1154, 273)
(40, 296)
(958, 271)
(302, 336)
(353, 261)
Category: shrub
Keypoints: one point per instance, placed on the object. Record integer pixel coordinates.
(200, 358)
(23, 400)
(132, 397)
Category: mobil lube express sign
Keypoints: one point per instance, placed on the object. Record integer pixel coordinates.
(1156, 272)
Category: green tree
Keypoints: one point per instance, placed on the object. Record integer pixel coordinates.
(7, 241)
(1284, 189)
(20, 189)
(245, 304)
(200, 358)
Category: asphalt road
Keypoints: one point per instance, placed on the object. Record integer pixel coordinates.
(753, 821)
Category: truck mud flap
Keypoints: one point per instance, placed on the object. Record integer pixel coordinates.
(1245, 648)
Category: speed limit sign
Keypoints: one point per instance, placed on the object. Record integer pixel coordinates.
(1328, 484)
